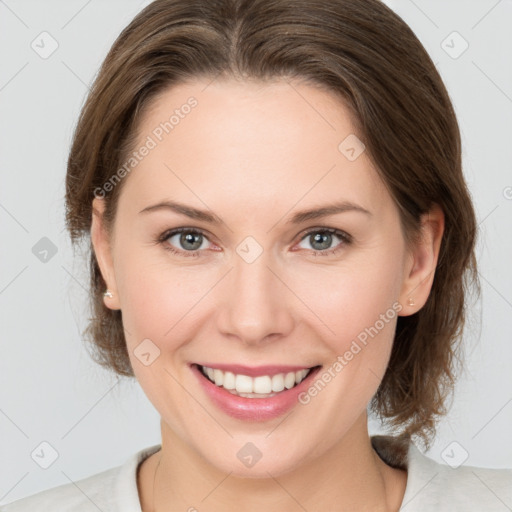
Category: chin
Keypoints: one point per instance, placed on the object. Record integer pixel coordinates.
(249, 461)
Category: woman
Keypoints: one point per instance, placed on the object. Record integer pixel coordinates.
(281, 238)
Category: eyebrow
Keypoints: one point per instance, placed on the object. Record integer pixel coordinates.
(324, 211)
(297, 218)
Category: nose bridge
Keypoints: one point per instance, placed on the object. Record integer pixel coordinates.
(255, 305)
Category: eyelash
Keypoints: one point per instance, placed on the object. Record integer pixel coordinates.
(162, 239)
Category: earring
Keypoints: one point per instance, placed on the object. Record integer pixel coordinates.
(108, 294)
(410, 302)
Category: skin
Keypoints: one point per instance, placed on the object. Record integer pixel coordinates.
(256, 153)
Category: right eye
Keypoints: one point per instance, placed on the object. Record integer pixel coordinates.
(187, 242)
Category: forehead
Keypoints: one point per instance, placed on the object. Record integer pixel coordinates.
(257, 142)
(280, 111)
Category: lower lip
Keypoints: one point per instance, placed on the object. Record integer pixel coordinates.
(253, 409)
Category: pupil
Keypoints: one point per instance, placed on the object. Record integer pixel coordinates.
(188, 238)
(323, 238)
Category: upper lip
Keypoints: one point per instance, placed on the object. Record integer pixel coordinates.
(254, 371)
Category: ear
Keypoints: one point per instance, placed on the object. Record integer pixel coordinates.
(422, 262)
(102, 250)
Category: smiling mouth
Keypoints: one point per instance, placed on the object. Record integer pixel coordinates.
(262, 386)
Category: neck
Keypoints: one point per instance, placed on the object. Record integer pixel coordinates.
(350, 476)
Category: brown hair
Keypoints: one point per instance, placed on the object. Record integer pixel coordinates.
(360, 50)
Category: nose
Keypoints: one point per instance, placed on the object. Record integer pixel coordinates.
(255, 304)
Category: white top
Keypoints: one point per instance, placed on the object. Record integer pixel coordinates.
(431, 487)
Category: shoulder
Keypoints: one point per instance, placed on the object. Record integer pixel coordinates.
(113, 489)
(432, 486)
(83, 495)
(450, 487)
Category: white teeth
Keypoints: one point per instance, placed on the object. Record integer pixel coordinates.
(243, 384)
(289, 380)
(229, 380)
(250, 387)
(250, 395)
(262, 384)
(278, 382)
(218, 376)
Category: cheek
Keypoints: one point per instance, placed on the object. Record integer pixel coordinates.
(354, 299)
(158, 316)
(159, 299)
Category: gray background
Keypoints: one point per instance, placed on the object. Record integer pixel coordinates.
(50, 390)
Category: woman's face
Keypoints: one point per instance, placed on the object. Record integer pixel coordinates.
(256, 288)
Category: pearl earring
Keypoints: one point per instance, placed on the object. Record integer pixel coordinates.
(108, 294)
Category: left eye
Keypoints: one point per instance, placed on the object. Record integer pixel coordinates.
(321, 239)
